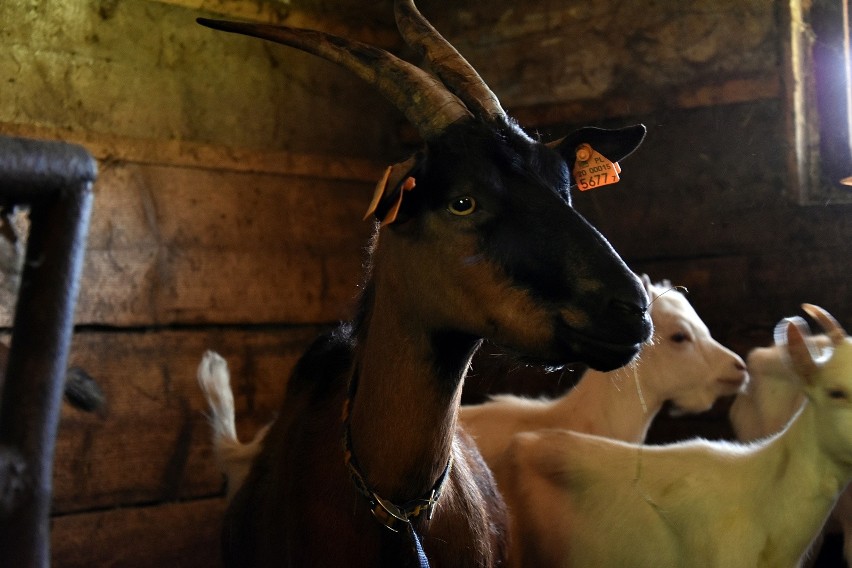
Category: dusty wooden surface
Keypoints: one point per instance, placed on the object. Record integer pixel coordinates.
(550, 53)
(198, 233)
(145, 69)
(233, 178)
(179, 535)
(234, 174)
(194, 245)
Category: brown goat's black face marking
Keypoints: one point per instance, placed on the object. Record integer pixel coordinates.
(582, 302)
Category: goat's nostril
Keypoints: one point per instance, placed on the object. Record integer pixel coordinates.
(628, 308)
(632, 319)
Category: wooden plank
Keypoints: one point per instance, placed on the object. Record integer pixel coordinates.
(223, 247)
(179, 535)
(554, 53)
(152, 444)
(110, 149)
(156, 287)
(189, 207)
(185, 244)
(711, 92)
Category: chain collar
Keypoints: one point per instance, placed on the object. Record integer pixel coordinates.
(389, 515)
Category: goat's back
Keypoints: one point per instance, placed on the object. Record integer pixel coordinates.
(299, 507)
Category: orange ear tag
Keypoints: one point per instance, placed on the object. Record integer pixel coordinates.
(592, 169)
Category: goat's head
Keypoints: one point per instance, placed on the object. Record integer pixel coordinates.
(479, 227)
(826, 376)
(690, 368)
(774, 391)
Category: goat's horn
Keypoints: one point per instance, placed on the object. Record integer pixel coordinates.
(453, 69)
(792, 333)
(421, 97)
(830, 325)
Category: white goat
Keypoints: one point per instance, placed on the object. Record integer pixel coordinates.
(234, 458)
(770, 401)
(683, 363)
(774, 391)
(582, 500)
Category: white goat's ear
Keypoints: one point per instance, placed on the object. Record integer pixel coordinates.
(646, 283)
(793, 333)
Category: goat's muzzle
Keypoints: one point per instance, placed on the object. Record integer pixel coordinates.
(610, 338)
(599, 353)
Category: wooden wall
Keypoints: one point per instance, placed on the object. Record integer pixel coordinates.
(233, 176)
(232, 181)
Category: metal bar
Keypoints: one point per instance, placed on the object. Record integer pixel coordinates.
(55, 180)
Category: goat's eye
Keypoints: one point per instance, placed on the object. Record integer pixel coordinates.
(679, 337)
(462, 206)
(837, 394)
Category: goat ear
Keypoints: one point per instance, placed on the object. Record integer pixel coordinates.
(387, 203)
(793, 333)
(646, 283)
(615, 145)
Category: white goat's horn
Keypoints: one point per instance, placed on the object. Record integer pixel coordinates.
(830, 325)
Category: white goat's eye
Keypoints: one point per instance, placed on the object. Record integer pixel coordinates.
(837, 394)
(462, 206)
(679, 337)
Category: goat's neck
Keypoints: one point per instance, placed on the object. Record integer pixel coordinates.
(799, 450)
(804, 479)
(610, 404)
(404, 413)
(771, 405)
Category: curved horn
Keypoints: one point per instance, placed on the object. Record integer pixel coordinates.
(453, 69)
(422, 98)
(830, 325)
(792, 333)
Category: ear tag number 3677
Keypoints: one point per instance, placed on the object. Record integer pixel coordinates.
(592, 169)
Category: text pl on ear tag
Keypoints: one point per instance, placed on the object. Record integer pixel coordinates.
(592, 169)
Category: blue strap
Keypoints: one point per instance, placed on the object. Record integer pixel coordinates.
(418, 548)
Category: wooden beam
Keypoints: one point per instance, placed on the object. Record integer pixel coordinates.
(111, 148)
(586, 111)
(178, 535)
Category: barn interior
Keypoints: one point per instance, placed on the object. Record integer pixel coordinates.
(233, 175)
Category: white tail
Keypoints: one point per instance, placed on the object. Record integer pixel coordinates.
(234, 458)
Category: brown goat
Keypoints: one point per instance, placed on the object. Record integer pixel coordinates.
(477, 240)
